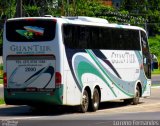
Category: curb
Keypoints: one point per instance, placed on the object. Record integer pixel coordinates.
(155, 87)
(2, 105)
(155, 75)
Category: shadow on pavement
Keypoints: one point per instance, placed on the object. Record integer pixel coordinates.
(52, 110)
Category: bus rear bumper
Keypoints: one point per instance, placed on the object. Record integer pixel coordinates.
(33, 98)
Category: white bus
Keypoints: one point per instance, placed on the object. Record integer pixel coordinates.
(74, 61)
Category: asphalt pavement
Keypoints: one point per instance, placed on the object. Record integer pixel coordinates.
(156, 79)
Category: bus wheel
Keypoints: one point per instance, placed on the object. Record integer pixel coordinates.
(95, 101)
(85, 102)
(137, 96)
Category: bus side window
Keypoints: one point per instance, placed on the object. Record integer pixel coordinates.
(67, 35)
(106, 39)
(95, 37)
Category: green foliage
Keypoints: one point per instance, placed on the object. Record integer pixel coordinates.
(2, 101)
(32, 10)
(134, 6)
(146, 9)
(95, 8)
(41, 7)
(154, 18)
(1, 34)
(84, 8)
(156, 71)
(154, 44)
(1, 71)
(1, 81)
(8, 8)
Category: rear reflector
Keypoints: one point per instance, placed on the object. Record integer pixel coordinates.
(58, 80)
(5, 79)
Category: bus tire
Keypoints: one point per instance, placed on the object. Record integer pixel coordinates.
(135, 100)
(95, 101)
(85, 102)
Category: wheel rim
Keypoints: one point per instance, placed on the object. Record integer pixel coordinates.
(85, 101)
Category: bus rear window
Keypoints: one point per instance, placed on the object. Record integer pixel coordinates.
(34, 30)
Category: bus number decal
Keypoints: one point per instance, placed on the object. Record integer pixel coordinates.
(30, 69)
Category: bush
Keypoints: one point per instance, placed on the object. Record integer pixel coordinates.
(1, 71)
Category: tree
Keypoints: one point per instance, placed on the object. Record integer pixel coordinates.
(147, 9)
(135, 6)
(7, 7)
(41, 7)
(154, 44)
(82, 7)
(153, 16)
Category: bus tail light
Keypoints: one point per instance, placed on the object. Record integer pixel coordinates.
(5, 79)
(58, 80)
(141, 66)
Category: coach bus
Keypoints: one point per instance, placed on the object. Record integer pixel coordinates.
(74, 61)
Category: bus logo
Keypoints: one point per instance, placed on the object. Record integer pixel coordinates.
(31, 31)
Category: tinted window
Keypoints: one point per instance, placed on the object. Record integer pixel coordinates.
(125, 39)
(30, 30)
(146, 55)
(90, 37)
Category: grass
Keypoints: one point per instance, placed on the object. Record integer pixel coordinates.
(1, 81)
(154, 85)
(156, 71)
(2, 101)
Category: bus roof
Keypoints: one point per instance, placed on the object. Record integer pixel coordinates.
(97, 22)
(83, 20)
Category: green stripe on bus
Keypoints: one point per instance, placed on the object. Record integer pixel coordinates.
(85, 67)
(100, 66)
